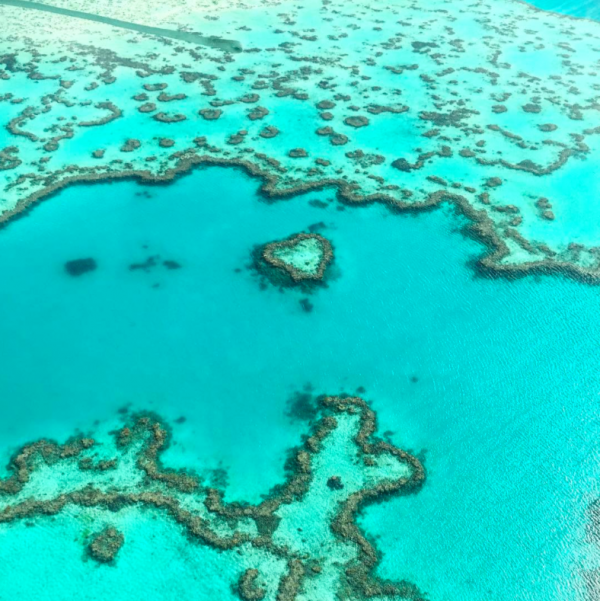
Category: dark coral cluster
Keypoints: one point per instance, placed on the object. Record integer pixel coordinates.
(284, 273)
(247, 588)
(105, 545)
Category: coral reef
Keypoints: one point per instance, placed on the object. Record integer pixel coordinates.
(105, 545)
(486, 112)
(301, 259)
(78, 267)
(375, 470)
(247, 589)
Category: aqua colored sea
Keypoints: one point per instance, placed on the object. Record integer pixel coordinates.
(495, 381)
(587, 9)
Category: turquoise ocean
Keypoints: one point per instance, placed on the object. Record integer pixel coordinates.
(494, 382)
(586, 9)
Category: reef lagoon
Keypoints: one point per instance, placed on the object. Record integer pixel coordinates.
(306, 312)
(492, 383)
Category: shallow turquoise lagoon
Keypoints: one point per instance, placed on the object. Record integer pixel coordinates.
(496, 382)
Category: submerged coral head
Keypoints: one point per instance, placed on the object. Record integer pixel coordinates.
(78, 267)
(302, 257)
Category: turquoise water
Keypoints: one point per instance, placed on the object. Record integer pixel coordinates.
(588, 9)
(494, 381)
(525, 92)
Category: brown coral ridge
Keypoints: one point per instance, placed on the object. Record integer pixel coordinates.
(156, 438)
(8, 160)
(148, 437)
(482, 229)
(359, 575)
(282, 273)
(31, 456)
(114, 113)
(105, 545)
(247, 588)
